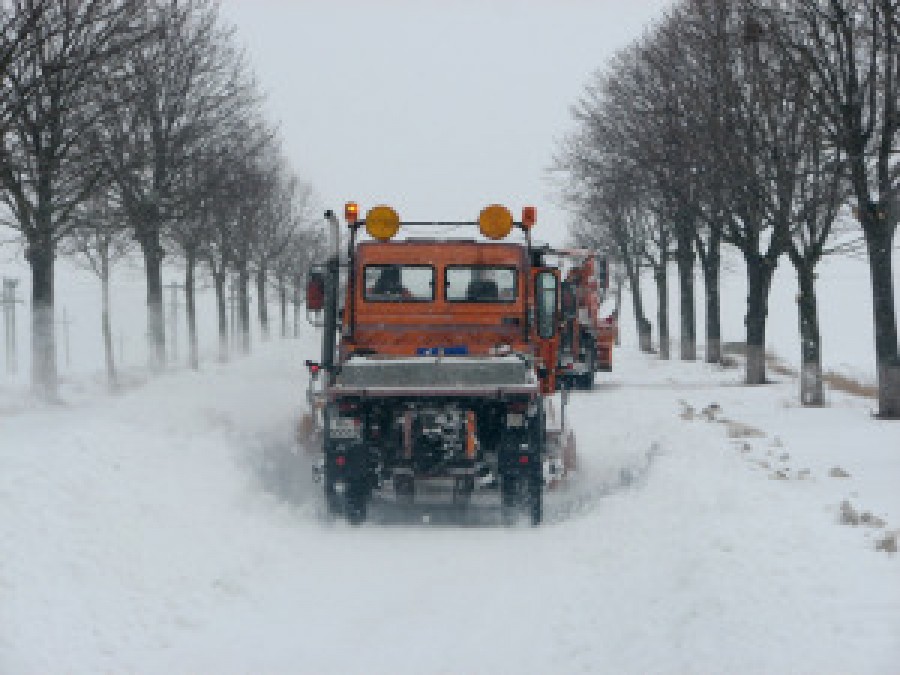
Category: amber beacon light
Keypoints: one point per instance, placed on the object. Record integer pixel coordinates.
(382, 222)
(495, 221)
(351, 212)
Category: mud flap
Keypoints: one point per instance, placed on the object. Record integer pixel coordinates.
(569, 452)
(306, 429)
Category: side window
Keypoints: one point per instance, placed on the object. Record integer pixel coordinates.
(545, 293)
(399, 283)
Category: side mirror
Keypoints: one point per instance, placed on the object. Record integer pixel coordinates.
(315, 292)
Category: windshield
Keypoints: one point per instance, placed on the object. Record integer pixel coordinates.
(481, 283)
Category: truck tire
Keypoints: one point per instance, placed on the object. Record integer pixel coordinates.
(536, 500)
(357, 505)
(405, 490)
(462, 492)
(586, 381)
(523, 494)
(332, 502)
(509, 499)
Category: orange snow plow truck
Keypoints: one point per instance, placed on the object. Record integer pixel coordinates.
(439, 358)
(587, 333)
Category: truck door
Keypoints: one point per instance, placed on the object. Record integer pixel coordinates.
(546, 324)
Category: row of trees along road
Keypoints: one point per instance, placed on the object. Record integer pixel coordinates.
(138, 123)
(759, 124)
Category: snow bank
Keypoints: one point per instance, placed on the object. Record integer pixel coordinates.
(175, 530)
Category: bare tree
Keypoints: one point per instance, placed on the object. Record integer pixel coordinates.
(605, 183)
(169, 104)
(100, 239)
(305, 247)
(234, 210)
(699, 29)
(46, 167)
(767, 104)
(821, 190)
(286, 214)
(850, 50)
(609, 220)
(18, 34)
(662, 144)
(657, 254)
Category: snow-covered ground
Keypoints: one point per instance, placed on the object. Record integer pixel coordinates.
(173, 529)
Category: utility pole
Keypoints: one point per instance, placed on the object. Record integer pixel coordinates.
(9, 300)
(173, 316)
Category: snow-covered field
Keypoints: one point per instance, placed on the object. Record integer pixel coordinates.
(173, 530)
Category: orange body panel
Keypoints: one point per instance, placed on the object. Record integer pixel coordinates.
(403, 328)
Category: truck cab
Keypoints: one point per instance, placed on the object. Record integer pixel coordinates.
(450, 298)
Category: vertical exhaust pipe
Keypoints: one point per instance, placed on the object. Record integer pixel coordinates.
(332, 281)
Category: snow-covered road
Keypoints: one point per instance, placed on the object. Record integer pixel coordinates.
(167, 531)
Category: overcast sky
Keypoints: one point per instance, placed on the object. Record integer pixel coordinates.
(436, 108)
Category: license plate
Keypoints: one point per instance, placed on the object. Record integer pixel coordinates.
(345, 427)
(515, 420)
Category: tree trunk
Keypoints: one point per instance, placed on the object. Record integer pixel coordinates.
(191, 306)
(243, 309)
(296, 295)
(643, 326)
(106, 323)
(282, 300)
(688, 336)
(879, 243)
(222, 312)
(44, 378)
(810, 341)
(710, 266)
(662, 311)
(617, 309)
(156, 327)
(759, 279)
(262, 302)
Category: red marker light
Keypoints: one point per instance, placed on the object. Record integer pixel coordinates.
(340, 460)
(529, 217)
(523, 459)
